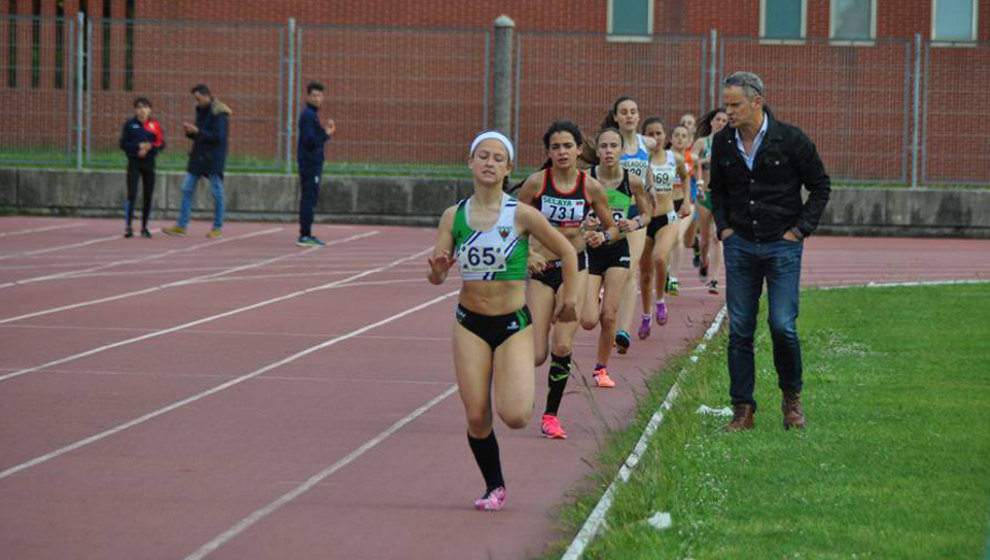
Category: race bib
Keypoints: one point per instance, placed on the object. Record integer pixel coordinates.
(619, 202)
(635, 166)
(563, 212)
(481, 259)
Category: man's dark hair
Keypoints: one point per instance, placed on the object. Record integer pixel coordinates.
(142, 101)
(315, 86)
(201, 89)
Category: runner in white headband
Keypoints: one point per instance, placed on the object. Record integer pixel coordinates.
(497, 136)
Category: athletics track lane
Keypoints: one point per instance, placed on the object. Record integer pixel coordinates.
(164, 487)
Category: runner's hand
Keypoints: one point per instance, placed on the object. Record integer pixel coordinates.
(591, 222)
(439, 265)
(565, 311)
(686, 209)
(594, 239)
(627, 225)
(537, 263)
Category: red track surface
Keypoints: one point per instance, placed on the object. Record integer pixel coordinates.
(111, 448)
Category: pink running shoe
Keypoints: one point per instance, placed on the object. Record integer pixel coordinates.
(602, 379)
(661, 313)
(551, 427)
(644, 327)
(493, 500)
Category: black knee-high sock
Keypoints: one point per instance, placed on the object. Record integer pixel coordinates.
(560, 368)
(486, 454)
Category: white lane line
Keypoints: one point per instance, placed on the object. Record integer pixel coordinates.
(75, 273)
(40, 229)
(183, 326)
(308, 274)
(597, 517)
(173, 284)
(317, 478)
(224, 386)
(61, 247)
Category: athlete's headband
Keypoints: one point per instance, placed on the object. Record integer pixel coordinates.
(491, 134)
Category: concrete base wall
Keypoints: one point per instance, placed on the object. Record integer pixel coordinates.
(420, 201)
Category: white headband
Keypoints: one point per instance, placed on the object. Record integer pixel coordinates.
(491, 134)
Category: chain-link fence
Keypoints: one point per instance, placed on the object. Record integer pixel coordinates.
(577, 77)
(409, 100)
(37, 119)
(853, 102)
(401, 98)
(241, 64)
(955, 144)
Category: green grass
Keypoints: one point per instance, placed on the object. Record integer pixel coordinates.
(895, 462)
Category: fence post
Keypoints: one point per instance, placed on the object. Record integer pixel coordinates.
(79, 90)
(504, 27)
(915, 110)
(713, 70)
(290, 61)
(89, 90)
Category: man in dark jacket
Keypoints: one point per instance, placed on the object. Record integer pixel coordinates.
(758, 166)
(309, 154)
(207, 158)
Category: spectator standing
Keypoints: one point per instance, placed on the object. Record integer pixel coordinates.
(313, 134)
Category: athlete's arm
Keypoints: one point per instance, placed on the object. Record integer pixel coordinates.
(650, 143)
(687, 207)
(442, 258)
(535, 224)
(536, 262)
(596, 192)
(642, 201)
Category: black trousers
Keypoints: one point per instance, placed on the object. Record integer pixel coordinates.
(309, 180)
(144, 169)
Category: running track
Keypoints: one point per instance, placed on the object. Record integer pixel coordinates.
(247, 399)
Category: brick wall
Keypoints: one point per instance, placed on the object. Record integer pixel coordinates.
(417, 96)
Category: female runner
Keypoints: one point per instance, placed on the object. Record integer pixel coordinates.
(661, 235)
(624, 115)
(487, 236)
(680, 141)
(609, 265)
(564, 194)
(711, 248)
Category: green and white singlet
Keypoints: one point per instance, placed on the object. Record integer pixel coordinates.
(496, 254)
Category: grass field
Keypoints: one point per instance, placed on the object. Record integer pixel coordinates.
(895, 462)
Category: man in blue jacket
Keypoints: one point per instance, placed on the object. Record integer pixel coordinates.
(207, 159)
(309, 154)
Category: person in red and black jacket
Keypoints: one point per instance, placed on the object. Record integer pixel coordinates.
(141, 140)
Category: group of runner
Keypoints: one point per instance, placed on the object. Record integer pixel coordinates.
(575, 229)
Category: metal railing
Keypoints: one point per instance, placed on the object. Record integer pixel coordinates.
(409, 100)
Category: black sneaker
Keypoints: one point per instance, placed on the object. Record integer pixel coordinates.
(145, 233)
(703, 271)
(713, 287)
(128, 233)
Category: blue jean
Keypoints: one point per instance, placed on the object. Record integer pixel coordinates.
(189, 188)
(747, 264)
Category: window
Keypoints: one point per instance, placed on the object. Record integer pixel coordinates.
(105, 50)
(954, 20)
(854, 20)
(630, 20)
(783, 19)
(12, 44)
(129, 47)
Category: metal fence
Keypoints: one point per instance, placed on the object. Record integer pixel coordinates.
(409, 100)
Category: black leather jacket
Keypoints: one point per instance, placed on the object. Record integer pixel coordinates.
(763, 204)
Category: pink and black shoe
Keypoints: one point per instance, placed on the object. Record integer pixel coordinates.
(493, 500)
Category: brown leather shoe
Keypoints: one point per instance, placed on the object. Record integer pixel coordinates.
(742, 418)
(790, 405)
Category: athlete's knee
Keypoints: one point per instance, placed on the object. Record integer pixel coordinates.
(479, 422)
(541, 356)
(515, 420)
(589, 322)
(560, 349)
(609, 318)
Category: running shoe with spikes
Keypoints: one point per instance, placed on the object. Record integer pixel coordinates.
(644, 328)
(493, 500)
(622, 341)
(703, 271)
(551, 427)
(713, 287)
(673, 285)
(602, 379)
(661, 314)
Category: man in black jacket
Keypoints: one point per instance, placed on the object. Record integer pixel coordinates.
(309, 154)
(758, 166)
(207, 159)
